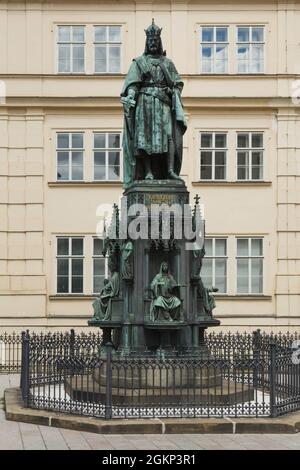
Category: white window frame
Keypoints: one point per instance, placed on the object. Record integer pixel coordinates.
(70, 150)
(250, 257)
(213, 149)
(250, 150)
(106, 270)
(250, 43)
(107, 43)
(214, 43)
(58, 72)
(214, 257)
(106, 150)
(69, 257)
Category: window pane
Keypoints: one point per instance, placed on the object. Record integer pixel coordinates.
(257, 34)
(99, 267)
(256, 247)
(221, 284)
(62, 141)
(78, 33)
(220, 267)
(257, 140)
(77, 246)
(100, 33)
(77, 141)
(114, 158)
(99, 173)
(206, 66)
(62, 267)
(242, 247)
(99, 158)
(208, 247)
(100, 59)
(242, 173)
(113, 172)
(221, 34)
(63, 172)
(243, 141)
(64, 33)
(257, 173)
(77, 173)
(207, 267)
(206, 140)
(77, 267)
(242, 276)
(114, 140)
(114, 59)
(77, 285)
(220, 140)
(256, 267)
(78, 59)
(98, 246)
(220, 158)
(63, 158)
(220, 173)
(243, 66)
(64, 54)
(243, 34)
(220, 247)
(114, 34)
(99, 141)
(98, 284)
(62, 285)
(243, 53)
(207, 34)
(77, 158)
(206, 158)
(62, 246)
(207, 52)
(243, 158)
(256, 285)
(221, 59)
(206, 172)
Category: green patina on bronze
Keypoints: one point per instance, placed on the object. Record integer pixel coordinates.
(154, 119)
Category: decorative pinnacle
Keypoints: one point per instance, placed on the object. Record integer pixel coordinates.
(197, 199)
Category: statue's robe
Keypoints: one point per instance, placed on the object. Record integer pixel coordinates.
(102, 305)
(157, 116)
(164, 300)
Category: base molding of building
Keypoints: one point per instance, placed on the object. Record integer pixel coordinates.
(15, 411)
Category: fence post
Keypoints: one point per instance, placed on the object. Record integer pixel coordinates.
(273, 351)
(108, 398)
(72, 342)
(25, 367)
(256, 356)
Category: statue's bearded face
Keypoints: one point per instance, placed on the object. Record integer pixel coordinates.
(153, 43)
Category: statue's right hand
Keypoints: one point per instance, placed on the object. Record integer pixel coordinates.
(128, 102)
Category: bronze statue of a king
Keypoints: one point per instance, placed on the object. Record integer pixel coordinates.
(154, 120)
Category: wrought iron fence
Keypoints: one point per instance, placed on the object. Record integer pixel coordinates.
(237, 375)
(10, 353)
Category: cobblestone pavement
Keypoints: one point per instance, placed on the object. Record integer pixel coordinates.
(15, 436)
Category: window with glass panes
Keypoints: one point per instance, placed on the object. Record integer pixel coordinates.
(250, 153)
(107, 154)
(249, 260)
(250, 49)
(214, 49)
(100, 265)
(71, 44)
(214, 267)
(69, 153)
(69, 265)
(107, 49)
(213, 153)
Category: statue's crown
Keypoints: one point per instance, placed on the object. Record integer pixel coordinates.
(153, 30)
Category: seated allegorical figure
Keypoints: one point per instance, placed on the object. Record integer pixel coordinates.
(165, 305)
(208, 300)
(102, 305)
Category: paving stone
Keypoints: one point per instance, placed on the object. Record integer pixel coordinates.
(31, 437)
(97, 441)
(74, 440)
(53, 438)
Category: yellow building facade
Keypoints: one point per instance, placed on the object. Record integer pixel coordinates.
(62, 66)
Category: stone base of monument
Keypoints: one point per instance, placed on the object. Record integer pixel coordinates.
(136, 386)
